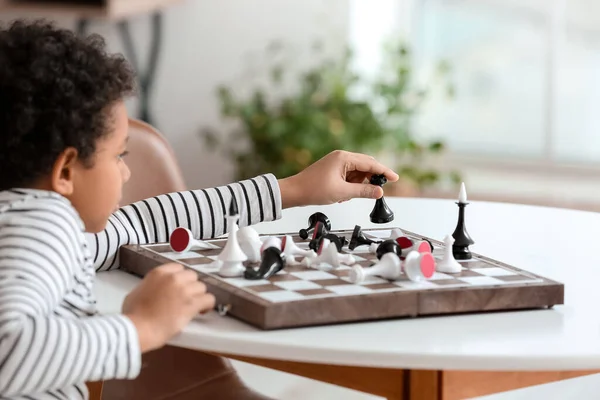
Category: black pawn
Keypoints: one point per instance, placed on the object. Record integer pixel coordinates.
(359, 239)
(381, 213)
(273, 261)
(462, 240)
(388, 246)
(312, 221)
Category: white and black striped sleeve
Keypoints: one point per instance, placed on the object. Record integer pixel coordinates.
(203, 211)
(40, 253)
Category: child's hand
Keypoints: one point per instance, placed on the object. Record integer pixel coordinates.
(337, 177)
(165, 301)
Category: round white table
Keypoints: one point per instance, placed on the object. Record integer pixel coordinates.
(556, 243)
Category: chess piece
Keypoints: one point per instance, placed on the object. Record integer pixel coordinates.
(448, 263)
(291, 250)
(232, 256)
(420, 246)
(405, 243)
(381, 213)
(419, 266)
(312, 221)
(347, 259)
(462, 239)
(327, 255)
(388, 246)
(359, 239)
(396, 233)
(271, 241)
(319, 231)
(250, 243)
(273, 261)
(339, 241)
(389, 267)
(182, 240)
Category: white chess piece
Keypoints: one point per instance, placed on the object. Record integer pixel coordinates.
(448, 263)
(419, 266)
(420, 246)
(270, 241)
(232, 255)
(327, 256)
(182, 240)
(389, 267)
(346, 259)
(250, 243)
(291, 250)
(396, 233)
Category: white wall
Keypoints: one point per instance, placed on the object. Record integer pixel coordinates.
(206, 43)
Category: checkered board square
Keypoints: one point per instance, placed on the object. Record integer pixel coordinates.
(311, 296)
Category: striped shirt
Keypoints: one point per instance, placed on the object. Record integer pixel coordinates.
(52, 340)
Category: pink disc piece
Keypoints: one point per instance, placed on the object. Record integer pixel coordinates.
(427, 265)
(180, 239)
(424, 247)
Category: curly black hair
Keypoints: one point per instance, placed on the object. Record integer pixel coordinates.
(56, 91)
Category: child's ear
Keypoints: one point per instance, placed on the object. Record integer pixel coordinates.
(63, 172)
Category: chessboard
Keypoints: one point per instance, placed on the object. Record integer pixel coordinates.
(301, 295)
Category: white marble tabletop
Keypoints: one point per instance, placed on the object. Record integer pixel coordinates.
(556, 243)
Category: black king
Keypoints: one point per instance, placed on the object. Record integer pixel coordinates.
(462, 240)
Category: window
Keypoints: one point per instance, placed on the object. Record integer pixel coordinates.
(527, 72)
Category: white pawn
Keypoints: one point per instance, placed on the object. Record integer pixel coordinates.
(327, 256)
(250, 243)
(232, 256)
(291, 250)
(347, 259)
(389, 267)
(448, 263)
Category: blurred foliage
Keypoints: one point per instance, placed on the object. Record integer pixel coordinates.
(285, 135)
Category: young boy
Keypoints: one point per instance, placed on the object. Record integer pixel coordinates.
(63, 128)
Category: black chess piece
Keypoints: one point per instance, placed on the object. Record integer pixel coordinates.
(381, 213)
(388, 246)
(359, 239)
(273, 261)
(318, 233)
(312, 221)
(462, 239)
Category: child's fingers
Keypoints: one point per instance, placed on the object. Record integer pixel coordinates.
(365, 163)
(364, 190)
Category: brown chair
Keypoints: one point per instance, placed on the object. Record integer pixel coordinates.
(171, 372)
(153, 164)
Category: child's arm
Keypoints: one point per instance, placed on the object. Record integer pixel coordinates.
(42, 345)
(203, 211)
(50, 336)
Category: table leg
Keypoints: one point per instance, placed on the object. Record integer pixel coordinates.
(397, 384)
(384, 382)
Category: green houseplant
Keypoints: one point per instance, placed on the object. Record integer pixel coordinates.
(283, 134)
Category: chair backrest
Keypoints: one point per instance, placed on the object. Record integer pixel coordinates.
(154, 167)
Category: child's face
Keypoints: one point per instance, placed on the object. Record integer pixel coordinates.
(96, 191)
